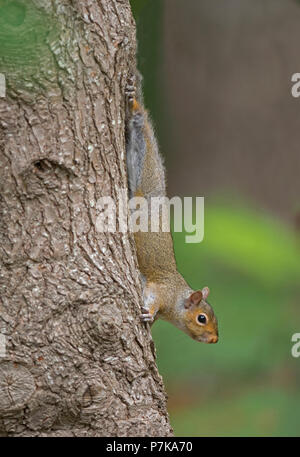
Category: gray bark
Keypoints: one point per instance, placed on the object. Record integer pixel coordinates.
(77, 360)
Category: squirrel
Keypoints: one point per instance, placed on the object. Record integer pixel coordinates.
(166, 294)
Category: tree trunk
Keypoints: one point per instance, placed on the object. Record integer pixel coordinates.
(75, 359)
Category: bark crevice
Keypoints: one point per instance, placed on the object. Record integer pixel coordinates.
(77, 360)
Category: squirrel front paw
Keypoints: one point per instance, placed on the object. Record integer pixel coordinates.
(146, 316)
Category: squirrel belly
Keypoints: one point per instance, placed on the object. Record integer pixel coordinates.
(166, 294)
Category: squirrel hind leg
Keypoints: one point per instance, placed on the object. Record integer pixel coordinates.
(133, 92)
(130, 91)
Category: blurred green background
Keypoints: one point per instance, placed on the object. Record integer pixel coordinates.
(217, 83)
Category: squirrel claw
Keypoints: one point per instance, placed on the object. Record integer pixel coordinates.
(130, 94)
(146, 316)
(130, 90)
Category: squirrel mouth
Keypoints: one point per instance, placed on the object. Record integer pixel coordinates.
(211, 339)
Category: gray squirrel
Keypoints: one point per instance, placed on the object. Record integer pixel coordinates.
(166, 294)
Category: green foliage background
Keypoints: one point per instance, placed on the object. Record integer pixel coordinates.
(248, 383)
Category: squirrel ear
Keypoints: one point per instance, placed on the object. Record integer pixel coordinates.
(194, 299)
(205, 292)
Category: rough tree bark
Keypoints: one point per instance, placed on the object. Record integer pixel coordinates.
(78, 362)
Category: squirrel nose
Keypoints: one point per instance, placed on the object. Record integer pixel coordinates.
(213, 339)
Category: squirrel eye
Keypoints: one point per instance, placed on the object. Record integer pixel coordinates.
(202, 319)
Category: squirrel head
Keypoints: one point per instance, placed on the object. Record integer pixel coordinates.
(199, 318)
